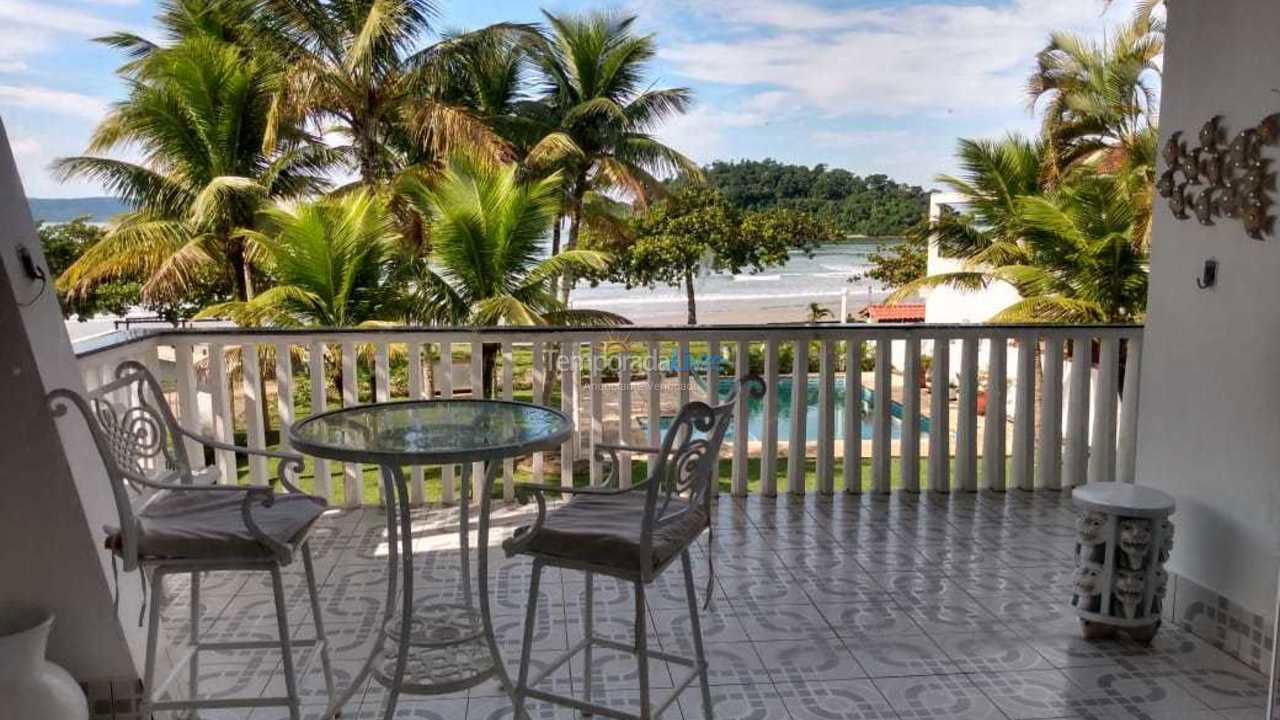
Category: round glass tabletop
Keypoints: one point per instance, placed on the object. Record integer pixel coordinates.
(431, 432)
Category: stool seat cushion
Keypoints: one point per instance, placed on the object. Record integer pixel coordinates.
(208, 525)
(604, 531)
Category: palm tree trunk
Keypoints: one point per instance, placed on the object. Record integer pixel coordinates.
(555, 250)
(489, 359)
(688, 293)
(239, 270)
(575, 219)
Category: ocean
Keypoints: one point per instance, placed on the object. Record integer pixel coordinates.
(779, 294)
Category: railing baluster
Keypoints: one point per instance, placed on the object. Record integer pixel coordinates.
(539, 386)
(1024, 439)
(188, 404)
(939, 417)
(713, 372)
(967, 417)
(996, 420)
(1051, 415)
(741, 437)
(222, 427)
(448, 473)
(1102, 451)
(596, 435)
(568, 405)
(1128, 451)
(417, 491)
(796, 450)
(381, 386)
(685, 361)
(319, 402)
(1075, 461)
(508, 378)
(909, 445)
(853, 415)
(881, 451)
(654, 406)
(284, 391)
(769, 443)
(352, 474)
(477, 392)
(381, 373)
(826, 418)
(255, 437)
(624, 413)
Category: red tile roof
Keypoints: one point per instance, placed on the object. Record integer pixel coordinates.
(896, 313)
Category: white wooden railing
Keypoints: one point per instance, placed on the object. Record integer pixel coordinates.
(1023, 440)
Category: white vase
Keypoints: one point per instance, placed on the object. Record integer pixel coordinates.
(32, 687)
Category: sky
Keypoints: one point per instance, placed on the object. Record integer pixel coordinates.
(874, 86)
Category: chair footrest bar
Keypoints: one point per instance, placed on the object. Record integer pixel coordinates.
(680, 686)
(255, 645)
(623, 647)
(219, 703)
(564, 658)
(582, 705)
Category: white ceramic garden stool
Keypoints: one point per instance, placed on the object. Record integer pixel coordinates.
(1124, 539)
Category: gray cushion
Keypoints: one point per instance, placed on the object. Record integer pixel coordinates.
(208, 525)
(604, 530)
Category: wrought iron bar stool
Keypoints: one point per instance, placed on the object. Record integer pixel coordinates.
(632, 534)
(185, 522)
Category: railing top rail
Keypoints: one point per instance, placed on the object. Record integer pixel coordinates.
(110, 341)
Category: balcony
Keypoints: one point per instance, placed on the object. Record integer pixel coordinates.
(901, 559)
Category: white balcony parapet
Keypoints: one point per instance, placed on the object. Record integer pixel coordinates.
(974, 416)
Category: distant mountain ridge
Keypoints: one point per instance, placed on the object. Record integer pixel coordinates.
(55, 210)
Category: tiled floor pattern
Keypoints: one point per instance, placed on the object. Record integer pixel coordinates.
(906, 607)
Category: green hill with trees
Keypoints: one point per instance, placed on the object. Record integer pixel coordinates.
(873, 205)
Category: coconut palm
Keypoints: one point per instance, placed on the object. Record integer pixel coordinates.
(486, 267)
(1099, 98)
(593, 69)
(995, 174)
(352, 68)
(331, 261)
(1074, 261)
(196, 112)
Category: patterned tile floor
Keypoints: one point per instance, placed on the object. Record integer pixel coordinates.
(875, 607)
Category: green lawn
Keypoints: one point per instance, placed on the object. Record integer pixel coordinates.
(371, 481)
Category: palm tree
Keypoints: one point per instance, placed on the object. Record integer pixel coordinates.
(995, 174)
(352, 65)
(1074, 261)
(331, 260)
(1100, 97)
(197, 113)
(486, 266)
(593, 70)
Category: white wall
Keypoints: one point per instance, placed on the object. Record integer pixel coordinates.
(1209, 427)
(54, 498)
(949, 305)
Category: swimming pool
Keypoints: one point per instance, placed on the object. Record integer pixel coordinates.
(755, 411)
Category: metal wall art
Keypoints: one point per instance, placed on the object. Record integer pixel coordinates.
(1220, 179)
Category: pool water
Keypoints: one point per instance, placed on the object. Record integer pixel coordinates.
(755, 411)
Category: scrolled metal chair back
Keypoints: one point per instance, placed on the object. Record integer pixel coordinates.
(136, 434)
(688, 464)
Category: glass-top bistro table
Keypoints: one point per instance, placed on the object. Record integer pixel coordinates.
(443, 648)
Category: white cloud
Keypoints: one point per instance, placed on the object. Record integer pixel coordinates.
(700, 133)
(12, 67)
(845, 140)
(55, 19)
(55, 101)
(937, 58)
